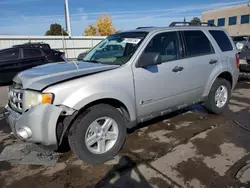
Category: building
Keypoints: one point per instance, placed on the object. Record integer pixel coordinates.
(236, 20)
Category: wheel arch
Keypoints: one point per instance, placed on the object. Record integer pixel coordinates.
(67, 121)
(225, 75)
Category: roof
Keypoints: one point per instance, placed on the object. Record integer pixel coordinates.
(225, 8)
(155, 29)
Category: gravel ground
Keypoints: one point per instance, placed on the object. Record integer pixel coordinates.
(189, 148)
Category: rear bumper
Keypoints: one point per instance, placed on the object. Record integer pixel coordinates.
(38, 125)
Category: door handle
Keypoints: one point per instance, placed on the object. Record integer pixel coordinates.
(213, 61)
(177, 69)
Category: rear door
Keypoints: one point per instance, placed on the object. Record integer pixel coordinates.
(201, 59)
(9, 64)
(226, 50)
(32, 57)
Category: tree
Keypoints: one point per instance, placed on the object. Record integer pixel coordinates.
(91, 30)
(103, 27)
(56, 30)
(196, 20)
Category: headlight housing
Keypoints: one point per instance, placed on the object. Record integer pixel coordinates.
(240, 46)
(34, 98)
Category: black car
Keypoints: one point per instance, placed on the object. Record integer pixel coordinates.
(22, 57)
(243, 45)
(34, 45)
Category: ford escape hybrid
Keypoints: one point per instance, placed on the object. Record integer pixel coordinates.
(91, 103)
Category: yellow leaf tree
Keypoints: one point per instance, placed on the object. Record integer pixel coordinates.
(91, 30)
(104, 27)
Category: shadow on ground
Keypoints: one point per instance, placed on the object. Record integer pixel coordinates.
(127, 174)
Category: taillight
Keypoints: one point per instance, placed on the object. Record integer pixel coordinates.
(237, 60)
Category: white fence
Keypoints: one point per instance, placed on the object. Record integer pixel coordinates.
(71, 46)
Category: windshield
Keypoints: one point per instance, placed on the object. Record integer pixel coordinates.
(240, 38)
(116, 49)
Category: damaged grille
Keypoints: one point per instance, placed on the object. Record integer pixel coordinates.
(16, 99)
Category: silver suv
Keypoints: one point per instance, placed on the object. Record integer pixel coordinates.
(92, 103)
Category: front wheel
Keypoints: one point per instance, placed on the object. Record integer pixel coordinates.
(99, 134)
(219, 96)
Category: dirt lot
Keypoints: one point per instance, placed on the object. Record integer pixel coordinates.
(190, 148)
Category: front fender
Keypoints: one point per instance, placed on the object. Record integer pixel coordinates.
(87, 95)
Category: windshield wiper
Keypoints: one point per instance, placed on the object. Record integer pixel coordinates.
(92, 61)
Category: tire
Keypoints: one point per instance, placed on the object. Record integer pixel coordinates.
(210, 102)
(81, 128)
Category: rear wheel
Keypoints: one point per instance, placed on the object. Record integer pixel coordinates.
(99, 134)
(219, 96)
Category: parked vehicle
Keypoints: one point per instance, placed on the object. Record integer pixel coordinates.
(242, 42)
(243, 45)
(22, 57)
(108, 51)
(93, 102)
(34, 45)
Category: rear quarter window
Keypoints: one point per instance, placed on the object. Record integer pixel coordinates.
(222, 40)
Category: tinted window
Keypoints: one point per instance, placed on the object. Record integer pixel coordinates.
(129, 42)
(197, 43)
(8, 55)
(221, 22)
(29, 53)
(166, 44)
(232, 20)
(210, 22)
(244, 19)
(240, 38)
(222, 40)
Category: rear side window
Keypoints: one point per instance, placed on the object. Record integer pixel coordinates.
(29, 53)
(222, 40)
(197, 43)
(8, 55)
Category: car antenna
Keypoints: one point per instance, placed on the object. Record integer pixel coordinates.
(65, 59)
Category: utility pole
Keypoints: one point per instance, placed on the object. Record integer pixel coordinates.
(67, 20)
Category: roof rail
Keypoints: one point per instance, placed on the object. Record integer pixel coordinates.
(191, 24)
(145, 27)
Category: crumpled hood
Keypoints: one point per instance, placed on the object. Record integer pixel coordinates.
(39, 77)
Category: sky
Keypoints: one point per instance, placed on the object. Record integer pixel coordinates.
(33, 17)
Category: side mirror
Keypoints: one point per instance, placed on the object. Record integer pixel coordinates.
(149, 59)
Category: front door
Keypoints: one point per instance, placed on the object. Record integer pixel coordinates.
(161, 87)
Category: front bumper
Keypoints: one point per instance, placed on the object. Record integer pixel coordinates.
(37, 125)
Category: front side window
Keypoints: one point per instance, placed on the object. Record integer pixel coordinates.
(232, 20)
(30, 53)
(116, 49)
(244, 19)
(221, 22)
(166, 44)
(197, 43)
(10, 54)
